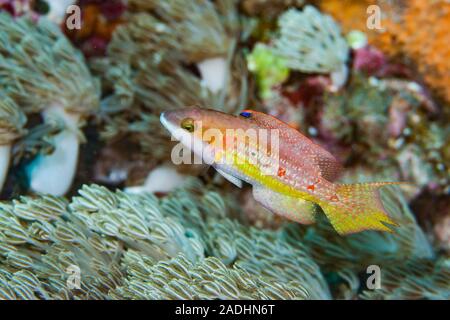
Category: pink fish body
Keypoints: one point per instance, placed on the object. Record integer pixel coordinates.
(290, 174)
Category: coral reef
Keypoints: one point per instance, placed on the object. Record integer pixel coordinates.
(269, 9)
(80, 115)
(45, 74)
(121, 241)
(414, 31)
(118, 240)
(149, 69)
(390, 124)
(420, 33)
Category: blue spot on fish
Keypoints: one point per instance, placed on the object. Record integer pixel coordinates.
(245, 114)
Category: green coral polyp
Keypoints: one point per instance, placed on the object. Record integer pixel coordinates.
(179, 278)
(270, 69)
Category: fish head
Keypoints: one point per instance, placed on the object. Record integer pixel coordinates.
(181, 121)
(200, 130)
(193, 121)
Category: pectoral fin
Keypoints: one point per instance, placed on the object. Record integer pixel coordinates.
(295, 209)
(237, 182)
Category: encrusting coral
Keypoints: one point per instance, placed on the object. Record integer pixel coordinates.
(42, 72)
(270, 70)
(351, 14)
(421, 34)
(140, 247)
(415, 31)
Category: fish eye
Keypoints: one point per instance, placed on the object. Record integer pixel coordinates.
(245, 114)
(188, 124)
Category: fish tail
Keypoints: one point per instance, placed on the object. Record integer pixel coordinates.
(358, 207)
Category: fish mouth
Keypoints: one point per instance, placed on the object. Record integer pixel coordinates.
(169, 119)
(163, 119)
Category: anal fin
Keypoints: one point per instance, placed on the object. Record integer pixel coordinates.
(295, 209)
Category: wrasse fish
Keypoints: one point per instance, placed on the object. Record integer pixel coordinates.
(302, 172)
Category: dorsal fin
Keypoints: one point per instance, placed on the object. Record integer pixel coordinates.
(326, 163)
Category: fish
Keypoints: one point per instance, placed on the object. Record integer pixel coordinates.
(290, 174)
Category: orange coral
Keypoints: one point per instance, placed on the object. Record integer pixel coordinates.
(351, 14)
(418, 30)
(423, 36)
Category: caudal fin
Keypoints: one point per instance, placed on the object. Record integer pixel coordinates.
(358, 207)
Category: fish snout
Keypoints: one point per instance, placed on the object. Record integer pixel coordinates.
(170, 118)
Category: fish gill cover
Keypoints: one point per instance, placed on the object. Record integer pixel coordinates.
(87, 181)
